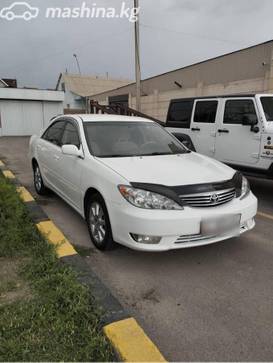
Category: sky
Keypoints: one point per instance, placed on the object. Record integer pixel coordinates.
(173, 34)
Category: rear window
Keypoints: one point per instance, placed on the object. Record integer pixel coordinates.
(180, 113)
(205, 111)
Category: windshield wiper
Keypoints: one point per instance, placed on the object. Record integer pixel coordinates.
(115, 156)
(156, 153)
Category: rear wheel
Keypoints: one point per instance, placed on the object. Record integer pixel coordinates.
(99, 224)
(38, 181)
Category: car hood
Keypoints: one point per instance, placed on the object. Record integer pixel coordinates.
(170, 170)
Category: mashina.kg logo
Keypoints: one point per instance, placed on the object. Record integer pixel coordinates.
(19, 10)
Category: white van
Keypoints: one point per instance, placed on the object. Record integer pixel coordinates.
(235, 129)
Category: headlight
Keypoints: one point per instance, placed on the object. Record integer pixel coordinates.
(245, 189)
(147, 200)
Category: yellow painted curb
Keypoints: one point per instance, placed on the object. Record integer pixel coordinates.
(25, 194)
(265, 215)
(56, 237)
(131, 342)
(1, 163)
(8, 174)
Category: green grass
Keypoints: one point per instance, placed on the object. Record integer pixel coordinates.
(59, 321)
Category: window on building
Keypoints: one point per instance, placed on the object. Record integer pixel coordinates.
(70, 135)
(205, 111)
(238, 111)
(180, 113)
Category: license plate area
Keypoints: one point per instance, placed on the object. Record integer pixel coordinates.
(224, 225)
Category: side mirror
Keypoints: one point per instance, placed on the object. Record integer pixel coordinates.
(249, 120)
(255, 129)
(72, 150)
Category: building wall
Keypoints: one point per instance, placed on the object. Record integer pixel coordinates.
(73, 101)
(246, 71)
(156, 105)
(26, 118)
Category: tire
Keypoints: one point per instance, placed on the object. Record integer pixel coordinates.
(38, 181)
(98, 223)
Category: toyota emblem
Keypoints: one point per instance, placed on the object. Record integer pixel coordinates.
(214, 198)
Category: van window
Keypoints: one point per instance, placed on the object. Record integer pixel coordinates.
(238, 110)
(267, 103)
(180, 113)
(205, 111)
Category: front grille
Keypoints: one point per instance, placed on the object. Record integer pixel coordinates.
(192, 238)
(211, 199)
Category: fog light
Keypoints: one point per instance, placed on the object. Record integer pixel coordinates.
(150, 240)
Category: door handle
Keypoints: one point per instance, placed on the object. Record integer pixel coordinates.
(195, 129)
(223, 131)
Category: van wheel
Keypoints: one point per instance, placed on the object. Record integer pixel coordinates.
(38, 181)
(99, 224)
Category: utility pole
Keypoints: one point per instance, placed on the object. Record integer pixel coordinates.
(78, 64)
(137, 61)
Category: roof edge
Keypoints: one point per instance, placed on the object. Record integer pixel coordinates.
(188, 66)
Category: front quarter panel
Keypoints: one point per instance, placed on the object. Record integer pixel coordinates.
(98, 176)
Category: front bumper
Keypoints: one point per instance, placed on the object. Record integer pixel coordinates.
(178, 229)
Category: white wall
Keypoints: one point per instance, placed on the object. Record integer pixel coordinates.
(25, 118)
(71, 100)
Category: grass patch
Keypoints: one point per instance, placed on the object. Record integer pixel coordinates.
(58, 320)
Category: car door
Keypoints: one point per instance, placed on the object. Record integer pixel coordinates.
(236, 143)
(203, 126)
(49, 151)
(70, 167)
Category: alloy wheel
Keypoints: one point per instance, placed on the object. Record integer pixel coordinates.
(38, 178)
(97, 222)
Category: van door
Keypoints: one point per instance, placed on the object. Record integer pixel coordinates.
(179, 116)
(235, 142)
(203, 126)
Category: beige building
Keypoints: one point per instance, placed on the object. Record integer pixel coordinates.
(248, 70)
(77, 87)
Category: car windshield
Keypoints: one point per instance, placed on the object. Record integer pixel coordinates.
(124, 139)
(267, 103)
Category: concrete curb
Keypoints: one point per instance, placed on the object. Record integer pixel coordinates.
(126, 336)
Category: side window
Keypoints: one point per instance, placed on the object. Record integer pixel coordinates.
(70, 135)
(205, 111)
(237, 111)
(180, 113)
(54, 133)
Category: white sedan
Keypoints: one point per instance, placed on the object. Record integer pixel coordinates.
(137, 185)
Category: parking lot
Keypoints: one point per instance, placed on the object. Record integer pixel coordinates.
(213, 303)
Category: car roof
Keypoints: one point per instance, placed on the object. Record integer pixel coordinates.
(107, 117)
(243, 95)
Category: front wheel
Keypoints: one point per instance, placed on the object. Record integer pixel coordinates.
(38, 181)
(99, 224)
